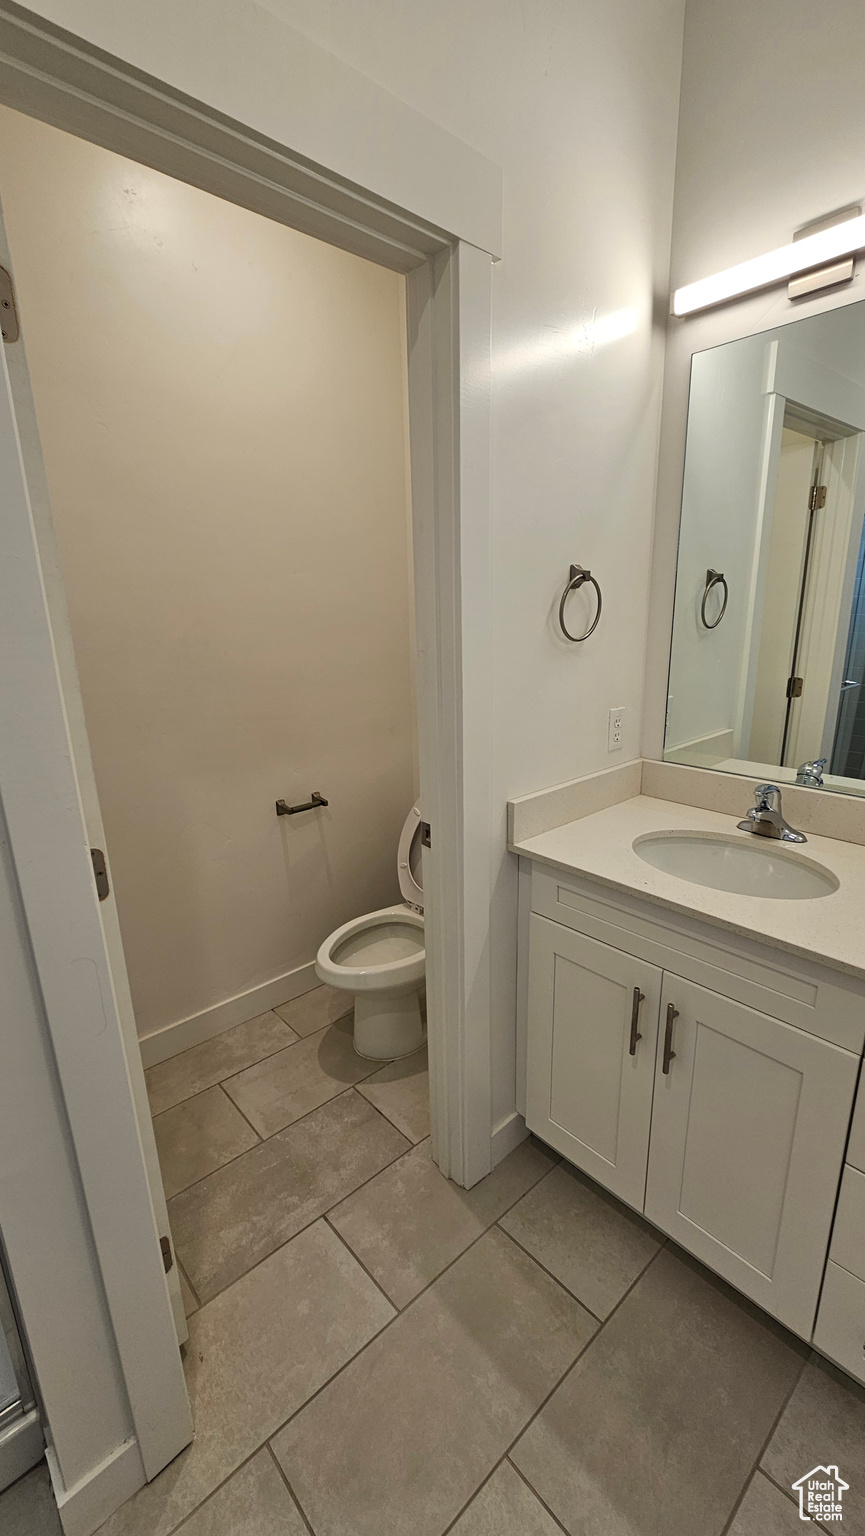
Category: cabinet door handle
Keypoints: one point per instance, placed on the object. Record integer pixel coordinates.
(669, 1053)
(635, 1014)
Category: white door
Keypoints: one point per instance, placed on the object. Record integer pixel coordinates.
(748, 1130)
(593, 1023)
(42, 798)
(31, 452)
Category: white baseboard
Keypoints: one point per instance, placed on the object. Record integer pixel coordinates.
(506, 1135)
(88, 1504)
(174, 1038)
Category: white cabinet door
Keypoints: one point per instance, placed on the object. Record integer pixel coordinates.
(593, 1024)
(749, 1123)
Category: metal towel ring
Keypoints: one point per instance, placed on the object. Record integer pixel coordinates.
(714, 579)
(578, 578)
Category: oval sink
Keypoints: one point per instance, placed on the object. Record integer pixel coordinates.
(747, 867)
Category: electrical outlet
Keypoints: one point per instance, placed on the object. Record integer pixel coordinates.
(615, 729)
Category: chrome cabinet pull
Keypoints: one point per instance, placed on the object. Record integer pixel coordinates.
(635, 1014)
(669, 1053)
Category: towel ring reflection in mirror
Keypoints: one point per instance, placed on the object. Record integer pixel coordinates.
(714, 579)
(578, 578)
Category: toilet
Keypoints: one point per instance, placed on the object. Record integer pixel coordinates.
(380, 958)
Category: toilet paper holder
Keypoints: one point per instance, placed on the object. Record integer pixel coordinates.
(310, 805)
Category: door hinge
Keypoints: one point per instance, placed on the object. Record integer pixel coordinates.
(817, 498)
(8, 309)
(167, 1255)
(100, 872)
(794, 687)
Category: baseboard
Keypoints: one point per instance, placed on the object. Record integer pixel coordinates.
(174, 1038)
(88, 1504)
(703, 751)
(506, 1135)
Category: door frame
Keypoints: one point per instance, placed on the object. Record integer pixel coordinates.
(51, 75)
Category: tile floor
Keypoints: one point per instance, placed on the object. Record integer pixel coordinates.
(376, 1352)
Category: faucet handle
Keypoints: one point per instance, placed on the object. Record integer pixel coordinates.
(767, 797)
(811, 774)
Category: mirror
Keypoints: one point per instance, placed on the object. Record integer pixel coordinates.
(767, 666)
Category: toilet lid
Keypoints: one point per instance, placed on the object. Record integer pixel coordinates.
(408, 861)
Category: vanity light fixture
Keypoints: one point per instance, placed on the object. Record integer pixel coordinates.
(807, 251)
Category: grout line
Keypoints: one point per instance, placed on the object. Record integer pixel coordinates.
(263, 1140)
(415, 1299)
(787, 1494)
(560, 1283)
(206, 1500)
(554, 1517)
(324, 1215)
(358, 1087)
(319, 1216)
(574, 1363)
(313, 1035)
(763, 1448)
(219, 1080)
(229, 1100)
(368, 1272)
(292, 1495)
(522, 1430)
(189, 1283)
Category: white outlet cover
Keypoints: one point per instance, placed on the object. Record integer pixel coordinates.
(615, 729)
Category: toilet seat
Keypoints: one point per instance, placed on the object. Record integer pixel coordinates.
(362, 967)
(408, 859)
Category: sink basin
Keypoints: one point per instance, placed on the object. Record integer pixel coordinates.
(743, 865)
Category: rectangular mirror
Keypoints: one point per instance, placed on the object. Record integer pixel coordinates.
(767, 665)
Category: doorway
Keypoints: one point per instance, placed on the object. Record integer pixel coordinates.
(805, 580)
(53, 815)
(222, 408)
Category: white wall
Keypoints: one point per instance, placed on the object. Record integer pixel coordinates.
(771, 123)
(578, 105)
(222, 410)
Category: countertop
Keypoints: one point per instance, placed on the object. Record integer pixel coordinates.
(826, 929)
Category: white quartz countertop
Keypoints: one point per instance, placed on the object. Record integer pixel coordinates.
(828, 929)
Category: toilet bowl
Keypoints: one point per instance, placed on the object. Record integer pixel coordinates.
(380, 958)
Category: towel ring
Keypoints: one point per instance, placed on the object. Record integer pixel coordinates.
(714, 579)
(578, 578)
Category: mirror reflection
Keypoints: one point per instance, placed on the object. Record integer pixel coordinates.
(767, 668)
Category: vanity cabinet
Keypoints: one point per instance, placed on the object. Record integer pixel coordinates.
(724, 1123)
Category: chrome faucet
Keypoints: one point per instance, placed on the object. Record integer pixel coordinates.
(810, 775)
(765, 819)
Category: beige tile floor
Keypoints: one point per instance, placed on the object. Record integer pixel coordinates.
(376, 1352)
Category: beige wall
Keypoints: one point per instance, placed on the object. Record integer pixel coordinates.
(221, 402)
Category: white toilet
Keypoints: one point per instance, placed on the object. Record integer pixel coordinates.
(380, 958)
